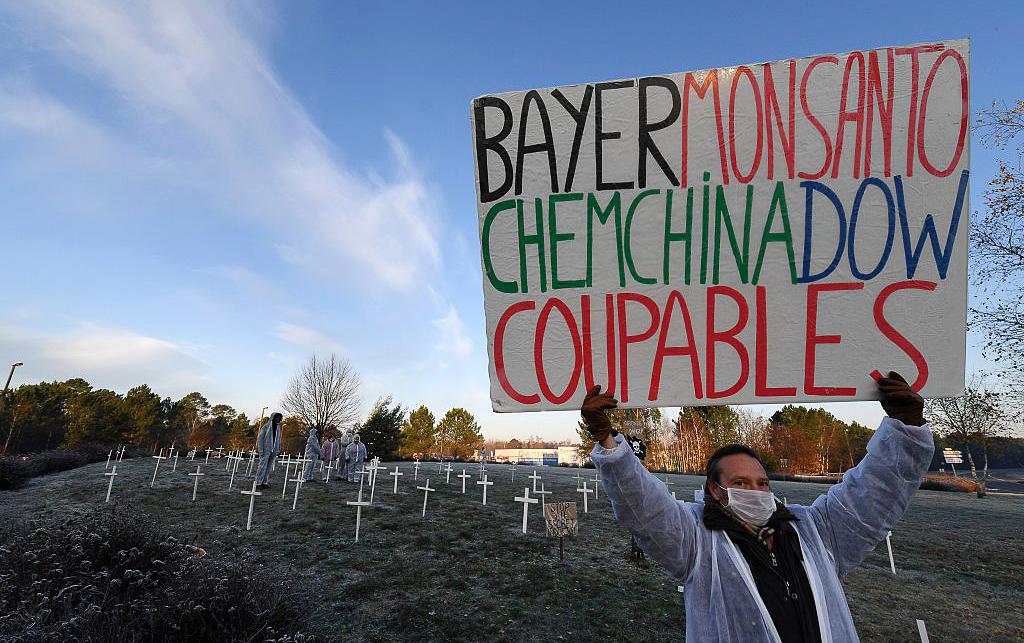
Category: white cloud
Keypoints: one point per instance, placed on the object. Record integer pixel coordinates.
(452, 338)
(108, 357)
(307, 338)
(191, 77)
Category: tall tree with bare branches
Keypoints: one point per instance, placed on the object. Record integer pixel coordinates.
(997, 247)
(324, 392)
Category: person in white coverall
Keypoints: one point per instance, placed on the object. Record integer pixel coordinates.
(268, 443)
(355, 453)
(753, 569)
(343, 442)
(312, 455)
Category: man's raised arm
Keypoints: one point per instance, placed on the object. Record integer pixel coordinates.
(664, 527)
(858, 512)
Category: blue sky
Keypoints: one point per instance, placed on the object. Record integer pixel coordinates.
(198, 195)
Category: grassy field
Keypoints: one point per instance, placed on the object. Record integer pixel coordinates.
(467, 573)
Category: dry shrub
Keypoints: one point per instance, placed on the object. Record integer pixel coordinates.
(946, 482)
(111, 576)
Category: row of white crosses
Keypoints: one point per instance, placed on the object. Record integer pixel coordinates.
(370, 473)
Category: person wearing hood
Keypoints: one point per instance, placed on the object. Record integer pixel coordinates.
(329, 451)
(268, 443)
(355, 453)
(312, 455)
(343, 443)
(754, 569)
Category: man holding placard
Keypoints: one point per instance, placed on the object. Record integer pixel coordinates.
(755, 569)
(730, 236)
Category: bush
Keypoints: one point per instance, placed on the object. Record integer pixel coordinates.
(946, 482)
(111, 576)
(16, 471)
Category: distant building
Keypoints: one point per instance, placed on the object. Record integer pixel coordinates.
(550, 457)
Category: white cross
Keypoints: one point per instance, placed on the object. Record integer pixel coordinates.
(359, 504)
(373, 468)
(527, 501)
(416, 471)
(464, 475)
(448, 476)
(287, 466)
(535, 478)
(298, 485)
(515, 465)
(248, 469)
(175, 460)
(888, 544)
(329, 467)
(586, 493)
(426, 492)
(922, 631)
(195, 486)
(252, 501)
(440, 466)
(157, 468)
(107, 465)
(208, 449)
(543, 495)
(228, 463)
(596, 481)
(486, 484)
(113, 472)
(121, 454)
(220, 451)
(236, 459)
(395, 474)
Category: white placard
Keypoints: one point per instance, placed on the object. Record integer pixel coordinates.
(761, 233)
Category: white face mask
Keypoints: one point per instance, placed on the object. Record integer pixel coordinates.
(751, 506)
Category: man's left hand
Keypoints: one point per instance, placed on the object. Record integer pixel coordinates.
(900, 401)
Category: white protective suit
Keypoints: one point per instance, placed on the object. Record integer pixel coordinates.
(836, 532)
(268, 443)
(355, 453)
(312, 454)
(345, 440)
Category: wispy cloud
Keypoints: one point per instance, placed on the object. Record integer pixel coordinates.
(309, 339)
(191, 79)
(452, 339)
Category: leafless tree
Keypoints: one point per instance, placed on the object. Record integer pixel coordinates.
(324, 392)
(972, 418)
(997, 247)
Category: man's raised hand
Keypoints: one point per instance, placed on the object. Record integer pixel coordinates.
(594, 415)
(900, 401)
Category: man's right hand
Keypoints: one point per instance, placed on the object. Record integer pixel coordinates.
(595, 417)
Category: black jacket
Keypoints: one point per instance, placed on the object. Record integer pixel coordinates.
(778, 572)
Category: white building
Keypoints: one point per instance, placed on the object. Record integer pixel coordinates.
(551, 457)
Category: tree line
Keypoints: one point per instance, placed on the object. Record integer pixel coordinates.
(49, 415)
(797, 439)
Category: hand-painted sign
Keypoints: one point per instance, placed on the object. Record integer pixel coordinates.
(762, 233)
